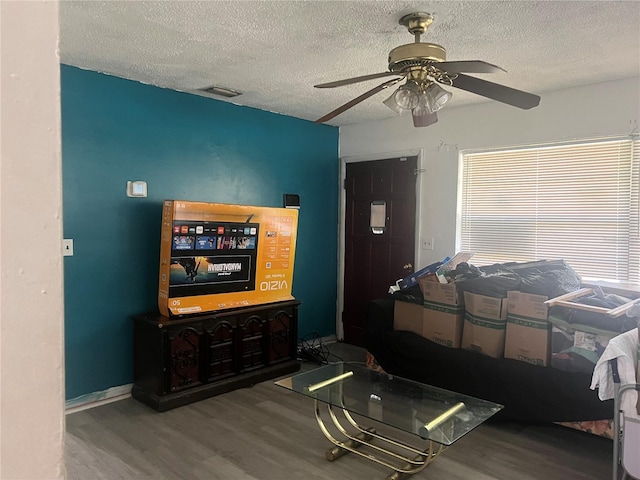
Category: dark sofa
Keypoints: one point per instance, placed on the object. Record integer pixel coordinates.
(529, 393)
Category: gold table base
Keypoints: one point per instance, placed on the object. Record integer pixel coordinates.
(412, 460)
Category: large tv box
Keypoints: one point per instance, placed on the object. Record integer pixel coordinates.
(216, 256)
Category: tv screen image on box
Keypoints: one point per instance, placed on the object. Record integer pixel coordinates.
(216, 256)
(205, 258)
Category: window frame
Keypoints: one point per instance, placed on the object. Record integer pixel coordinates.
(630, 142)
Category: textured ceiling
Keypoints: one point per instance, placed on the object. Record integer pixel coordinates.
(275, 51)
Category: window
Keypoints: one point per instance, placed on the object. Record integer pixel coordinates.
(577, 202)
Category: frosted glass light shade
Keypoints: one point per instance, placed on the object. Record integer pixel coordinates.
(404, 98)
(436, 97)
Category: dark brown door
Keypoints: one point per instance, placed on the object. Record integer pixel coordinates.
(374, 261)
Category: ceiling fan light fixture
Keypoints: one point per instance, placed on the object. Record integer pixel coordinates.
(422, 64)
(435, 97)
(404, 98)
(391, 103)
(422, 108)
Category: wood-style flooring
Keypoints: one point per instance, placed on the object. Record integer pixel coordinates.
(267, 432)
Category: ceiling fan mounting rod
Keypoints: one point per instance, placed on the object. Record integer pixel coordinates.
(417, 23)
(418, 53)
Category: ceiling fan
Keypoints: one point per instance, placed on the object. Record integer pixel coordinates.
(424, 67)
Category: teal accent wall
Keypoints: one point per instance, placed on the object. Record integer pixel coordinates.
(185, 147)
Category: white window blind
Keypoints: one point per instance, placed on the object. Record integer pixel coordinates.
(577, 202)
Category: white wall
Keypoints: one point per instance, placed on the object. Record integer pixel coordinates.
(31, 301)
(604, 109)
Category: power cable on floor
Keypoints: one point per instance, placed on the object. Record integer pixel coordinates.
(312, 349)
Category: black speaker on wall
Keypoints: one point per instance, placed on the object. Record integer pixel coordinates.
(291, 200)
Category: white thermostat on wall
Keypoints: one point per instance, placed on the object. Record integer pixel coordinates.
(137, 189)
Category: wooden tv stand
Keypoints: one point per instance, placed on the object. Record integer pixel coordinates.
(179, 360)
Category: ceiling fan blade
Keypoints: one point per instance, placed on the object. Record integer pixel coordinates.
(469, 66)
(501, 93)
(357, 100)
(425, 120)
(363, 78)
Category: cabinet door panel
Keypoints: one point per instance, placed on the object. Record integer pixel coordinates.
(282, 335)
(184, 358)
(221, 344)
(251, 342)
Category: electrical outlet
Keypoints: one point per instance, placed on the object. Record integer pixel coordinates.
(67, 247)
(427, 243)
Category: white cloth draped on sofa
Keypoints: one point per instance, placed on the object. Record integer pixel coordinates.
(624, 348)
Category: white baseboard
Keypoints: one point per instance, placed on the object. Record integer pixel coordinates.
(95, 399)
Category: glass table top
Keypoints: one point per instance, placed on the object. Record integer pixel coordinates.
(429, 412)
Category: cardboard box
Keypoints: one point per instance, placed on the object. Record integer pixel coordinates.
(434, 291)
(216, 256)
(443, 312)
(443, 323)
(408, 316)
(485, 321)
(576, 347)
(528, 331)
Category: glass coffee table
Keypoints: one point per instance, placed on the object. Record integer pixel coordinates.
(438, 417)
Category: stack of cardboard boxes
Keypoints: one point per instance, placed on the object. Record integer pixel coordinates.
(513, 327)
(519, 326)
